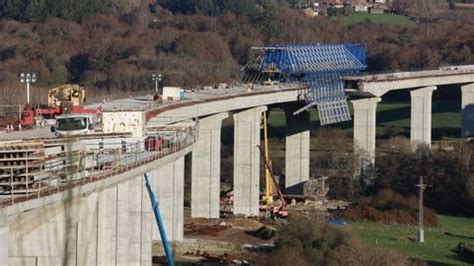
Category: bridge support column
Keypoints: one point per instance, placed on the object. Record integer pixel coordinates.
(123, 222)
(297, 150)
(87, 231)
(247, 161)
(420, 132)
(140, 222)
(5, 239)
(206, 168)
(106, 226)
(168, 184)
(364, 131)
(467, 92)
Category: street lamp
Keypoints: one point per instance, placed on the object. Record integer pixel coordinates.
(28, 78)
(157, 80)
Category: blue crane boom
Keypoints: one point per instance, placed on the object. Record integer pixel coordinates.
(159, 221)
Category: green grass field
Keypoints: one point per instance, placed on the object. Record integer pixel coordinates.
(438, 247)
(360, 17)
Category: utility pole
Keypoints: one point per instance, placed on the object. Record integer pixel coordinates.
(421, 231)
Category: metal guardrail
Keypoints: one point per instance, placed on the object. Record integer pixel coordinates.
(89, 167)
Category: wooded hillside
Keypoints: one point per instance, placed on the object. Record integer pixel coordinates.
(117, 45)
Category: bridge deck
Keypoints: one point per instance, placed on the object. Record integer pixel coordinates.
(379, 84)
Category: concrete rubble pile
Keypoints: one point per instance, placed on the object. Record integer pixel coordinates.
(317, 188)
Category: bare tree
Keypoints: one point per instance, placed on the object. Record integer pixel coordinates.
(421, 9)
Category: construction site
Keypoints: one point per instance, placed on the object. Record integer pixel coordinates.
(138, 181)
(76, 152)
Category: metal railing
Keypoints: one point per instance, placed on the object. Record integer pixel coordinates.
(99, 161)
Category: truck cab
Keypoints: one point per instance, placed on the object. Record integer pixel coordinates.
(73, 124)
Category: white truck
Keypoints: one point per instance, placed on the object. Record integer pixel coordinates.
(73, 124)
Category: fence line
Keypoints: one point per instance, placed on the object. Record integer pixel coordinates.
(80, 169)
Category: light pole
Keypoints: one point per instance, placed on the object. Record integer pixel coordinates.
(28, 78)
(157, 80)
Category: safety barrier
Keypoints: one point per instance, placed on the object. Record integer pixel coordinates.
(86, 167)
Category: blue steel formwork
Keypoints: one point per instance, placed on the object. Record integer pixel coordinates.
(319, 66)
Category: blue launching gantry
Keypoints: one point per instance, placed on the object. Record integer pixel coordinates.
(321, 67)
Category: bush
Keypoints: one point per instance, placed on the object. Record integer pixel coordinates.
(389, 208)
(310, 241)
(448, 176)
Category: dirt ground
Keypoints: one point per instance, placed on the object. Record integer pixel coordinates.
(227, 240)
(215, 241)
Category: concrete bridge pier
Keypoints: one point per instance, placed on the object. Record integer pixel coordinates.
(5, 238)
(297, 150)
(107, 226)
(124, 221)
(168, 184)
(421, 109)
(139, 222)
(206, 168)
(364, 131)
(467, 112)
(247, 126)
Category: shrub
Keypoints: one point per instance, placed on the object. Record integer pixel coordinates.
(310, 241)
(389, 208)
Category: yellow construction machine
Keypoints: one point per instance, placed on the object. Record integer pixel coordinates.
(278, 210)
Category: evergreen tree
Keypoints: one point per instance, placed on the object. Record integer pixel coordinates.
(40, 10)
(209, 7)
(35, 11)
(11, 8)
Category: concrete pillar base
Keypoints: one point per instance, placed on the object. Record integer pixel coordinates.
(364, 132)
(467, 92)
(247, 126)
(206, 168)
(168, 184)
(420, 132)
(297, 151)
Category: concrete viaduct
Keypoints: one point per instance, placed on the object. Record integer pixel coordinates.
(108, 221)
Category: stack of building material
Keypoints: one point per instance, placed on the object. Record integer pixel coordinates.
(23, 166)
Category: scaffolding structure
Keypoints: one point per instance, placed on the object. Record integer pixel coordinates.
(320, 67)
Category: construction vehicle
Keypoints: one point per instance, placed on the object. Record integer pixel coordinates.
(73, 124)
(277, 210)
(66, 99)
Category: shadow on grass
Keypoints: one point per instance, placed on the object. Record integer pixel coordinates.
(463, 255)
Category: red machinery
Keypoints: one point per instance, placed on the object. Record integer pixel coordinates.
(61, 100)
(154, 143)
